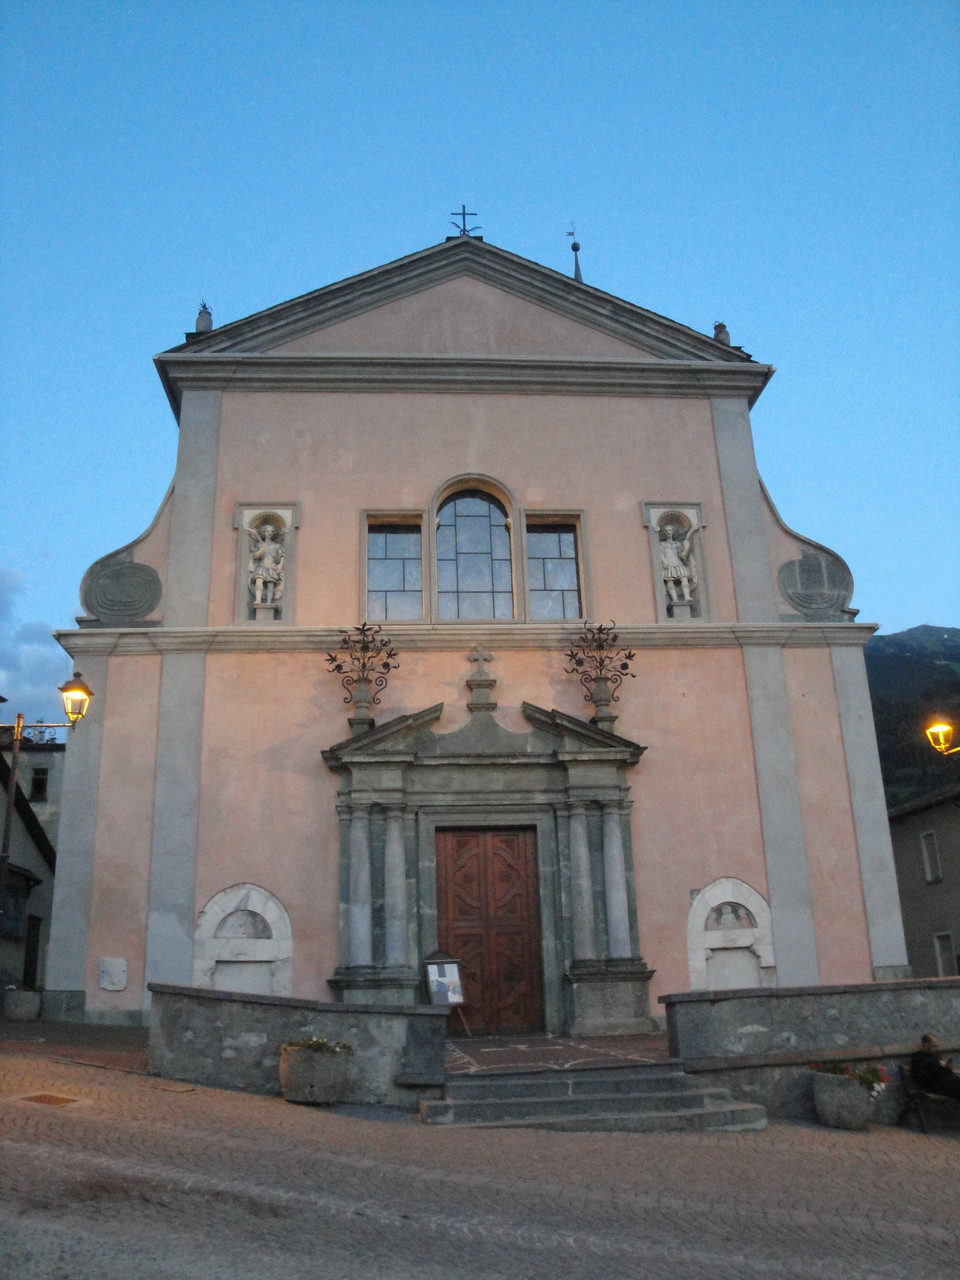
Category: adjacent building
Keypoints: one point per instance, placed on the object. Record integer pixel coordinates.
(926, 849)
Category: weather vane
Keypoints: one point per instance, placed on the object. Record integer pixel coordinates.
(461, 226)
(576, 254)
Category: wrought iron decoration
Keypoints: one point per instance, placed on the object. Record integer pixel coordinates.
(366, 657)
(597, 656)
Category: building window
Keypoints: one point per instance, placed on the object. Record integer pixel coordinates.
(946, 958)
(931, 857)
(394, 572)
(474, 572)
(553, 575)
(38, 785)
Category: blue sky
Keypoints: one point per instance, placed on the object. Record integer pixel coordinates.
(789, 168)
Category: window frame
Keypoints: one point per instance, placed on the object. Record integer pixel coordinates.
(570, 520)
(415, 520)
(517, 521)
(932, 867)
(951, 952)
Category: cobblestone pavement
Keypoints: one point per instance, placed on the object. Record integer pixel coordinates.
(146, 1178)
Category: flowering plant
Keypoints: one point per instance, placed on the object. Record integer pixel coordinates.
(872, 1076)
(320, 1044)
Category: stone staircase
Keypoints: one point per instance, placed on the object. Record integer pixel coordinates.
(633, 1097)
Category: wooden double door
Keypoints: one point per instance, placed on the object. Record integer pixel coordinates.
(488, 909)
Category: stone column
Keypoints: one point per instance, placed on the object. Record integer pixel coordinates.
(581, 888)
(65, 995)
(360, 909)
(615, 884)
(395, 889)
(877, 872)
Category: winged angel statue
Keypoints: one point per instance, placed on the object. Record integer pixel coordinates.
(266, 564)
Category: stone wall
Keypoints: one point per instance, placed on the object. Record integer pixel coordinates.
(783, 1083)
(232, 1041)
(810, 1020)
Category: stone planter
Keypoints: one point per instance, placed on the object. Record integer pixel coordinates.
(317, 1079)
(841, 1103)
(21, 1006)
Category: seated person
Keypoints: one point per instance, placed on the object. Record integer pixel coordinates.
(930, 1072)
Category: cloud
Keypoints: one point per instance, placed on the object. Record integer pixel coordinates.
(11, 584)
(32, 664)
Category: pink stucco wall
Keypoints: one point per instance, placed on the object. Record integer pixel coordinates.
(465, 316)
(695, 807)
(267, 806)
(124, 832)
(341, 454)
(843, 950)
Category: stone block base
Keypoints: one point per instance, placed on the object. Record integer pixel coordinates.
(63, 1006)
(610, 998)
(369, 984)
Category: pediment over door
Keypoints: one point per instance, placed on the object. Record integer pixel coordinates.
(554, 737)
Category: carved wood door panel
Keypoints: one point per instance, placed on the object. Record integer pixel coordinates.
(488, 909)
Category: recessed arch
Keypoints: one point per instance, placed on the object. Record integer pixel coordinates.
(730, 937)
(243, 941)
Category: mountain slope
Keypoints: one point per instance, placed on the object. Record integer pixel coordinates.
(914, 676)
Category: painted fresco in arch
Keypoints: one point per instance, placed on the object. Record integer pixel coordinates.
(243, 924)
(730, 915)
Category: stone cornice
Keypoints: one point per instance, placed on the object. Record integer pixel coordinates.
(461, 374)
(110, 641)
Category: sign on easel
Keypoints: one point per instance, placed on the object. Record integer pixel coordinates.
(444, 984)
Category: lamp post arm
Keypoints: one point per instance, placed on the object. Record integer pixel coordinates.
(8, 812)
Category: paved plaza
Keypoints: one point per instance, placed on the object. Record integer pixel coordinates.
(141, 1177)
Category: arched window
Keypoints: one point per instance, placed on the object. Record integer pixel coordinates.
(474, 575)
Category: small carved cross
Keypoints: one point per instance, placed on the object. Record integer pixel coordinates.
(480, 657)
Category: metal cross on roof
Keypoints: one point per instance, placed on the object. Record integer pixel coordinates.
(462, 227)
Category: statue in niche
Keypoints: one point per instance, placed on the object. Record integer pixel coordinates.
(678, 567)
(266, 564)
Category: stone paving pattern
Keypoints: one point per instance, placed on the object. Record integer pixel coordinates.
(141, 1177)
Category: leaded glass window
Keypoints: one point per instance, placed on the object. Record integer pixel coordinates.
(553, 575)
(394, 572)
(474, 577)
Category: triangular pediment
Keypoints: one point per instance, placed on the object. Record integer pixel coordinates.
(462, 298)
(554, 734)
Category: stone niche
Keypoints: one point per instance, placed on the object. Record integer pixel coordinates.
(677, 557)
(266, 558)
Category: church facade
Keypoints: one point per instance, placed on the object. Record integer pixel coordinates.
(467, 625)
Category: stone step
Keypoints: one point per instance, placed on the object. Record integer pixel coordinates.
(628, 1081)
(632, 1097)
(527, 1110)
(730, 1117)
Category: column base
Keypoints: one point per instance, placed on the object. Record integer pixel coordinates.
(611, 997)
(375, 984)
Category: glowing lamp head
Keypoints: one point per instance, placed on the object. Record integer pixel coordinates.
(76, 698)
(940, 736)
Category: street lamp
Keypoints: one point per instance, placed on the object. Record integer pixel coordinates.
(940, 736)
(76, 697)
